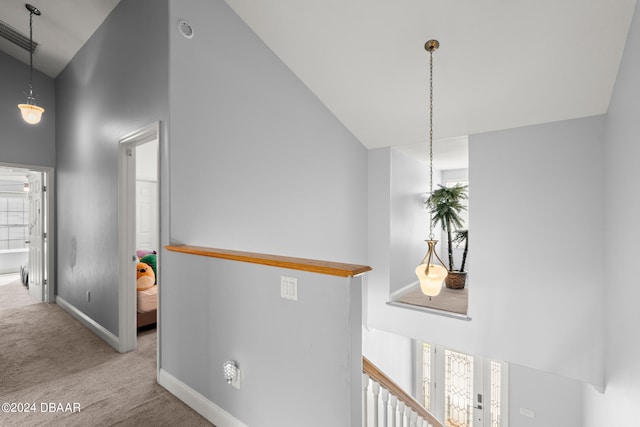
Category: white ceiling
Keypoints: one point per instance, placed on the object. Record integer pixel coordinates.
(501, 63)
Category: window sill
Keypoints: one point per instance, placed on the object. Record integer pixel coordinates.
(450, 303)
(12, 251)
(429, 310)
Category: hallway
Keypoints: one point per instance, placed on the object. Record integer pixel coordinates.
(55, 372)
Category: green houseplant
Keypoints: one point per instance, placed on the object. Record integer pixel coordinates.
(445, 205)
(462, 236)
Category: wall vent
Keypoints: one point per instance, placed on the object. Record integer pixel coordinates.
(14, 36)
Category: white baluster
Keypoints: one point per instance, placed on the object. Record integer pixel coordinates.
(385, 407)
(365, 387)
(413, 417)
(401, 409)
(375, 388)
(394, 406)
(407, 416)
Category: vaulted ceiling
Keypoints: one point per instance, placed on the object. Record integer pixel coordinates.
(501, 63)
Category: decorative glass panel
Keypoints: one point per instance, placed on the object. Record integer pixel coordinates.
(458, 389)
(496, 378)
(426, 375)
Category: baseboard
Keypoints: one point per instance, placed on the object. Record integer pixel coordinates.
(88, 322)
(197, 402)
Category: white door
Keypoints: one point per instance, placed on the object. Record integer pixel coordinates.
(462, 390)
(146, 215)
(36, 236)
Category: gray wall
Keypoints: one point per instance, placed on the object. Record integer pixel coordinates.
(299, 360)
(22, 143)
(115, 84)
(618, 405)
(265, 167)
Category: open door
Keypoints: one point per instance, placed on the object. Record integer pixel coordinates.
(37, 236)
(128, 232)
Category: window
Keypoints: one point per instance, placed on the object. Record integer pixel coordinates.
(465, 380)
(14, 218)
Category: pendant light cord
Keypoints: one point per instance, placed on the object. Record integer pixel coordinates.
(430, 138)
(30, 97)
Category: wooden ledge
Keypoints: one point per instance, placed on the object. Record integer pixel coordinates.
(312, 265)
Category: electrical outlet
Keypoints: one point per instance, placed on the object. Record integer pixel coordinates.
(289, 288)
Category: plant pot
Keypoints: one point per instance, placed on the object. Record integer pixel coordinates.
(456, 279)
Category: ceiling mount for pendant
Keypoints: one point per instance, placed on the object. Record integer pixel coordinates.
(431, 45)
(32, 9)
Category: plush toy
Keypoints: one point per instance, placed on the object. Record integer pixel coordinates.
(152, 260)
(145, 277)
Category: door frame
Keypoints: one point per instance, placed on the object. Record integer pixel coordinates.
(49, 244)
(482, 384)
(127, 330)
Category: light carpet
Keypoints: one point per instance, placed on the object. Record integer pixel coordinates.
(47, 357)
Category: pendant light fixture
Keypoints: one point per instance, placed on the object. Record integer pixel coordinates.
(31, 113)
(431, 274)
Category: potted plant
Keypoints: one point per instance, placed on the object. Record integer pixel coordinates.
(446, 204)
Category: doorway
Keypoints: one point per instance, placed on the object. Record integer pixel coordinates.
(461, 389)
(138, 223)
(27, 227)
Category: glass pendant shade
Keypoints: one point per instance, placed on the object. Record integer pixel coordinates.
(31, 113)
(431, 275)
(431, 278)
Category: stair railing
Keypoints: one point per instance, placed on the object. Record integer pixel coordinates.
(386, 404)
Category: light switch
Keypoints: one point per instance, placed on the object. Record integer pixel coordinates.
(289, 288)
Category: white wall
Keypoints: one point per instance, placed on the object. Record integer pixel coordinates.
(12, 259)
(618, 405)
(392, 354)
(534, 203)
(539, 399)
(147, 200)
(147, 161)
(409, 221)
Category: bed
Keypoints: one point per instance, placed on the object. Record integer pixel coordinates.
(147, 306)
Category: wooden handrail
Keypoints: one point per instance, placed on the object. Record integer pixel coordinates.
(397, 391)
(312, 265)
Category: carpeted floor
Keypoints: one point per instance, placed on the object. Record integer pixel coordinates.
(13, 294)
(47, 357)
